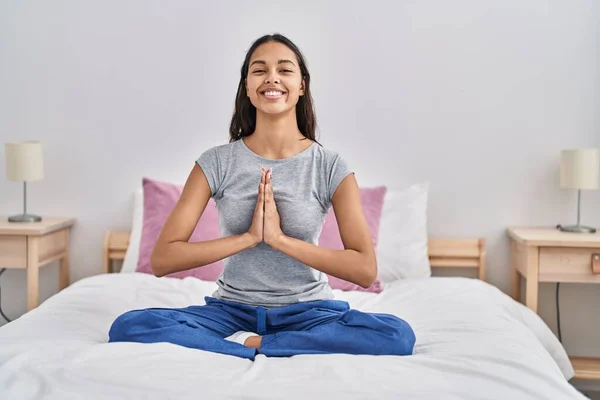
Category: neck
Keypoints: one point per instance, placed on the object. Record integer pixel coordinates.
(276, 134)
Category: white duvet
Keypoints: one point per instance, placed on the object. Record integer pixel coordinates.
(473, 342)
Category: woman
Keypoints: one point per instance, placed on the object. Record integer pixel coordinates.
(273, 185)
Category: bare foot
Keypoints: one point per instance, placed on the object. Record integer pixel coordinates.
(253, 341)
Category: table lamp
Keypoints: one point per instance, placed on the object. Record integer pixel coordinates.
(579, 169)
(24, 163)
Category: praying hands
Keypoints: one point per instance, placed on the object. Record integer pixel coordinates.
(266, 224)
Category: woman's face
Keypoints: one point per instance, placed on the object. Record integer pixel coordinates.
(274, 81)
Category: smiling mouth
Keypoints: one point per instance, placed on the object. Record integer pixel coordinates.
(273, 94)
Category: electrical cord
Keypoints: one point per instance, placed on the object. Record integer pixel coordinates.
(558, 312)
(558, 226)
(2, 312)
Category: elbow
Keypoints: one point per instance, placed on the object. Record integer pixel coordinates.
(157, 264)
(369, 276)
(368, 281)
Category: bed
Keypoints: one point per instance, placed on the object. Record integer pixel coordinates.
(473, 342)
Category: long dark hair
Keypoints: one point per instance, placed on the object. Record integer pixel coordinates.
(243, 121)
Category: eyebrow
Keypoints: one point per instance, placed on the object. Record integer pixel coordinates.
(278, 62)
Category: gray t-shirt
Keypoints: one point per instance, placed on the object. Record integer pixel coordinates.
(302, 186)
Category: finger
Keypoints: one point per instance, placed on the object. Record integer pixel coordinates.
(269, 192)
(261, 192)
(268, 178)
(263, 178)
(268, 198)
(261, 198)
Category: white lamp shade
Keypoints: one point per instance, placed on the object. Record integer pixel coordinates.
(24, 161)
(580, 169)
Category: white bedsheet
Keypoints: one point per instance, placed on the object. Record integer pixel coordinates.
(473, 342)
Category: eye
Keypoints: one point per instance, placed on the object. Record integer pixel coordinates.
(287, 71)
(257, 71)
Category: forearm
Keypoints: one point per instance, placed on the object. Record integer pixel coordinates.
(350, 265)
(179, 256)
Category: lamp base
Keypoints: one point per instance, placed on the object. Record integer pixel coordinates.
(24, 218)
(577, 229)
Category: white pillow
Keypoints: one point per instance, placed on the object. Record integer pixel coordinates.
(133, 250)
(401, 249)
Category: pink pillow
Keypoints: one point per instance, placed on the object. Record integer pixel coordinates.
(159, 200)
(372, 205)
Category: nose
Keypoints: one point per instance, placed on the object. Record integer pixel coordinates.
(272, 77)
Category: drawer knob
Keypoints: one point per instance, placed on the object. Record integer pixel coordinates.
(596, 263)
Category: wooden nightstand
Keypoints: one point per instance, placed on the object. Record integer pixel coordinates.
(115, 248)
(33, 245)
(549, 255)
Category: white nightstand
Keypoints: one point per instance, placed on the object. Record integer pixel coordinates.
(549, 255)
(32, 245)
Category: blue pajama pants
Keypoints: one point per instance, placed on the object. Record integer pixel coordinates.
(315, 327)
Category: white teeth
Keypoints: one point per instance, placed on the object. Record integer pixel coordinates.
(273, 93)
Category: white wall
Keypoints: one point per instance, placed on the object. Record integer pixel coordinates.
(478, 97)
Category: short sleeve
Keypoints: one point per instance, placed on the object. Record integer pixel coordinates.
(209, 162)
(339, 170)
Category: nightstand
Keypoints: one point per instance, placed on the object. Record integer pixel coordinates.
(115, 248)
(549, 255)
(33, 245)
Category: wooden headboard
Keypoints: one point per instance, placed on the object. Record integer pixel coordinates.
(443, 252)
